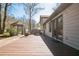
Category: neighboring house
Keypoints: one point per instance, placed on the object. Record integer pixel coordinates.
(43, 19)
(18, 26)
(63, 24)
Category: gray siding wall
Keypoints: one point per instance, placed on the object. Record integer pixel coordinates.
(71, 26)
(47, 30)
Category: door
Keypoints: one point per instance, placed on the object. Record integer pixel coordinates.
(54, 28)
(57, 28)
(60, 27)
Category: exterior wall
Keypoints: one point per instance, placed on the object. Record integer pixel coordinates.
(42, 20)
(71, 26)
(47, 30)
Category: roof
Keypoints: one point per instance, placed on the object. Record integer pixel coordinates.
(43, 16)
(62, 7)
(17, 23)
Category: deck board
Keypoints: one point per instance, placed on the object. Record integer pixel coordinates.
(27, 46)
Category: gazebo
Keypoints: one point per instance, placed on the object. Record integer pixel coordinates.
(18, 26)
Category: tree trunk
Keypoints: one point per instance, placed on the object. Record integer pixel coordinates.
(5, 15)
(30, 22)
(0, 17)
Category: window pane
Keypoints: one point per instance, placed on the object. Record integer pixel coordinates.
(60, 27)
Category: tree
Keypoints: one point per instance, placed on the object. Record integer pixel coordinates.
(33, 24)
(5, 16)
(31, 9)
(56, 6)
(0, 17)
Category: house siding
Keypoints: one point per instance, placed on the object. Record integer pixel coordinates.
(70, 26)
(42, 20)
(47, 30)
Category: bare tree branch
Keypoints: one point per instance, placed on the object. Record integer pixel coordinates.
(31, 9)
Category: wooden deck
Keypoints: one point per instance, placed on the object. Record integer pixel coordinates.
(26, 46)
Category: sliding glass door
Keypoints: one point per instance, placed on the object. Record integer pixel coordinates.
(60, 27)
(54, 28)
(57, 28)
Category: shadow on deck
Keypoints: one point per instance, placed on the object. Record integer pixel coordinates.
(58, 48)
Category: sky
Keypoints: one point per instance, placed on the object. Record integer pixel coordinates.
(17, 10)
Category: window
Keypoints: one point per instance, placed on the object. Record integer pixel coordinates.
(60, 27)
(57, 27)
(50, 24)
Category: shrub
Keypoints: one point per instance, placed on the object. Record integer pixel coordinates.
(6, 34)
(12, 31)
